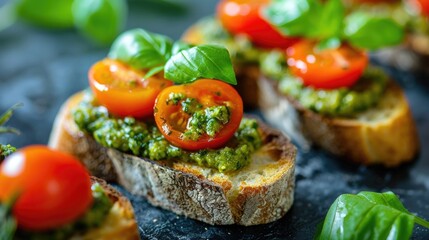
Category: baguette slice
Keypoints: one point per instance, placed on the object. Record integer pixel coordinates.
(259, 193)
(247, 74)
(119, 223)
(385, 134)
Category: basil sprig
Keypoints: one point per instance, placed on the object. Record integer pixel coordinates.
(181, 62)
(368, 215)
(326, 21)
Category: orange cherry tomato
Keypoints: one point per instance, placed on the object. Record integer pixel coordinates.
(327, 69)
(421, 5)
(172, 120)
(123, 90)
(52, 188)
(244, 17)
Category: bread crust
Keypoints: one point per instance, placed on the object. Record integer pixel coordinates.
(197, 192)
(389, 141)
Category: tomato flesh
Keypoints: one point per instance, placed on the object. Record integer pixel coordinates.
(52, 188)
(123, 90)
(244, 17)
(326, 69)
(172, 120)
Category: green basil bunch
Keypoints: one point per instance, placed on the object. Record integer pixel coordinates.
(99, 20)
(327, 21)
(181, 62)
(368, 215)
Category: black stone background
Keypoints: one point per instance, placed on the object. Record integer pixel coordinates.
(41, 68)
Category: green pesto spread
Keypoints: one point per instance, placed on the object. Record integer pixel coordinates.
(239, 46)
(145, 140)
(6, 150)
(201, 121)
(91, 219)
(334, 102)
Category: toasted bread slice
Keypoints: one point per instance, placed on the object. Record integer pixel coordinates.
(119, 223)
(247, 74)
(385, 134)
(259, 193)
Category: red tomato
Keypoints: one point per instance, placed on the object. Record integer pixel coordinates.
(53, 188)
(421, 5)
(244, 17)
(123, 90)
(328, 69)
(172, 121)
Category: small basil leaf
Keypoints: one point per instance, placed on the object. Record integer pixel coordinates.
(46, 13)
(141, 49)
(204, 61)
(370, 32)
(294, 17)
(331, 20)
(368, 215)
(8, 224)
(330, 43)
(100, 20)
(179, 46)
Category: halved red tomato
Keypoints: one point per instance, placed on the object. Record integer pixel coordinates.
(327, 69)
(244, 17)
(172, 121)
(52, 188)
(123, 90)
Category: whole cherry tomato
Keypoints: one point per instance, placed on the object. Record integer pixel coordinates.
(123, 90)
(421, 5)
(327, 69)
(244, 17)
(51, 188)
(172, 120)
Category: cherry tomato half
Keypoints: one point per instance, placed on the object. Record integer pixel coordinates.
(244, 17)
(421, 5)
(172, 120)
(123, 90)
(328, 69)
(52, 188)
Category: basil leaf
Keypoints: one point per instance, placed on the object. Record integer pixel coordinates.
(46, 13)
(330, 23)
(204, 61)
(294, 17)
(100, 20)
(370, 32)
(329, 44)
(8, 223)
(141, 49)
(368, 215)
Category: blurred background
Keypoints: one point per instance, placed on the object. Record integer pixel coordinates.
(43, 62)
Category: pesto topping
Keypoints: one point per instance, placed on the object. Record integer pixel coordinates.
(240, 47)
(93, 218)
(145, 140)
(333, 102)
(6, 150)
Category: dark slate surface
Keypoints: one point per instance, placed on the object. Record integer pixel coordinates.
(41, 68)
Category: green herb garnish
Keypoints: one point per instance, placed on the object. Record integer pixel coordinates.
(368, 215)
(326, 21)
(6, 150)
(181, 62)
(8, 224)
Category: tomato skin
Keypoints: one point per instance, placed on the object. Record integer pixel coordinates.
(244, 17)
(205, 91)
(422, 6)
(53, 188)
(122, 90)
(326, 69)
